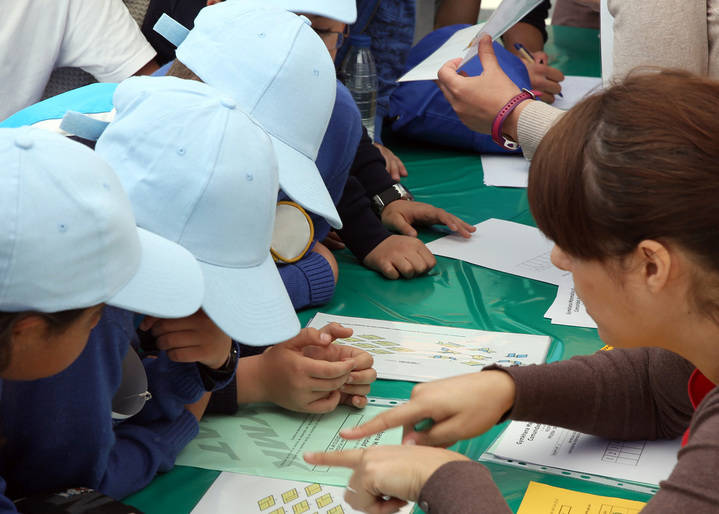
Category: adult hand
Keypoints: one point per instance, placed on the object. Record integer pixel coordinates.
(395, 167)
(357, 387)
(461, 407)
(397, 472)
(400, 256)
(477, 100)
(292, 379)
(543, 77)
(400, 215)
(194, 338)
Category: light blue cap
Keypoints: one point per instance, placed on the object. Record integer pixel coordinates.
(68, 238)
(341, 10)
(202, 173)
(281, 74)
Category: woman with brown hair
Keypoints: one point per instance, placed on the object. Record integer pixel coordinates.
(626, 185)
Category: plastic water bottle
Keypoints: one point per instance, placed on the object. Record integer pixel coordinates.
(359, 73)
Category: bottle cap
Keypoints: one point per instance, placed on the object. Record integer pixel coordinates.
(360, 40)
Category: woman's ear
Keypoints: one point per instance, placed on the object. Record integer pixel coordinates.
(655, 264)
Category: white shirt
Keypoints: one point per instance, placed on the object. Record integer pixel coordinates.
(37, 36)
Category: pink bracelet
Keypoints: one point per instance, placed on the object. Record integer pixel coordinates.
(497, 135)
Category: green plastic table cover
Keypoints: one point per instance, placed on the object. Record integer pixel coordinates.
(454, 293)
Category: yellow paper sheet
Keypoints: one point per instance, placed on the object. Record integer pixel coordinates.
(545, 499)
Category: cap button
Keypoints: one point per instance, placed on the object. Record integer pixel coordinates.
(228, 102)
(24, 142)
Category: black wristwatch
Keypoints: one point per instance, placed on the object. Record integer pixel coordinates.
(386, 197)
(212, 378)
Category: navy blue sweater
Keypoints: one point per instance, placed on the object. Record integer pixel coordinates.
(58, 432)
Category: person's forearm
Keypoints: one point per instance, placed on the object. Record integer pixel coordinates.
(452, 12)
(626, 394)
(250, 385)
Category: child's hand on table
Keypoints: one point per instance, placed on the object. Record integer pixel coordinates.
(400, 256)
(400, 215)
(461, 407)
(395, 167)
(398, 472)
(308, 374)
(194, 338)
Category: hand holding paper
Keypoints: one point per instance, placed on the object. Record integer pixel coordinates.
(477, 100)
(461, 407)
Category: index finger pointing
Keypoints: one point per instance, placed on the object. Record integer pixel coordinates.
(406, 414)
(342, 458)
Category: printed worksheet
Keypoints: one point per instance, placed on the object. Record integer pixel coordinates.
(545, 499)
(568, 308)
(505, 170)
(504, 246)
(464, 42)
(421, 353)
(266, 440)
(246, 494)
(554, 448)
(574, 89)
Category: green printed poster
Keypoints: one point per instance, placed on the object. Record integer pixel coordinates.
(266, 440)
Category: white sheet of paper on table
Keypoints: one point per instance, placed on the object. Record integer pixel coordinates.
(234, 492)
(504, 246)
(505, 170)
(463, 43)
(643, 462)
(420, 353)
(575, 88)
(568, 308)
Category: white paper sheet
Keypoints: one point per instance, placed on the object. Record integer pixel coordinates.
(568, 308)
(574, 88)
(504, 246)
(505, 170)
(421, 353)
(606, 36)
(233, 492)
(643, 462)
(463, 43)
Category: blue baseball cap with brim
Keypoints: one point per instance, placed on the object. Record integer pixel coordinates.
(280, 73)
(68, 238)
(202, 173)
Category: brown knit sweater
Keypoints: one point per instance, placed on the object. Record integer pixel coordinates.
(638, 393)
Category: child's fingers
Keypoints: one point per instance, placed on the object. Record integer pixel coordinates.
(327, 370)
(325, 404)
(326, 385)
(363, 362)
(355, 389)
(336, 331)
(147, 323)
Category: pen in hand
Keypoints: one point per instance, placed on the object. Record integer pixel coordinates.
(527, 55)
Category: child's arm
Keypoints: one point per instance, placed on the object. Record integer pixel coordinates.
(311, 280)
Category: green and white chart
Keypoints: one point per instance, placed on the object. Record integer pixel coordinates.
(422, 353)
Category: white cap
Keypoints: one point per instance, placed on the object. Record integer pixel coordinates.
(280, 72)
(68, 238)
(200, 172)
(341, 10)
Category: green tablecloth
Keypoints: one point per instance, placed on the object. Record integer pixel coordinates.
(454, 293)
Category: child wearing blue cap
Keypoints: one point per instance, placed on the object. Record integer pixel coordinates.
(205, 176)
(72, 267)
